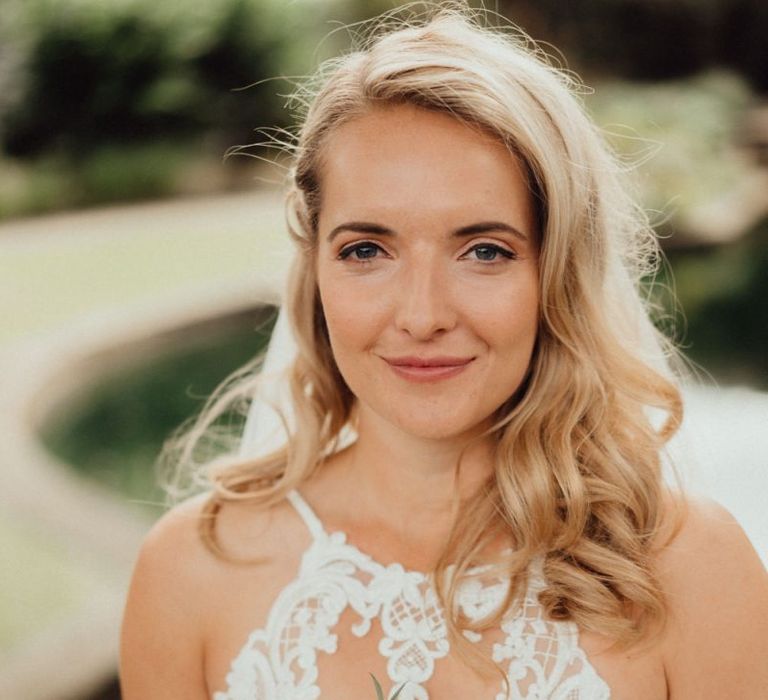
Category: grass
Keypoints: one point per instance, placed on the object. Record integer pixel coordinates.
(109, 174)
(48, 280)
(40, 583)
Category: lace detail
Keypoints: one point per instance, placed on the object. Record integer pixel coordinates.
(543, 656)
(279, 662)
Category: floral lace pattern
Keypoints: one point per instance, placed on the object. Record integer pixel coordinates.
(279, 662)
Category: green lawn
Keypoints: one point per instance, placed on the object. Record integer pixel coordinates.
(49, 278)
(40, 583)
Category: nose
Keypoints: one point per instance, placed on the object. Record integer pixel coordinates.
(424, 306)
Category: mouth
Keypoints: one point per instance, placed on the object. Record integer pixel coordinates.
(428, 369)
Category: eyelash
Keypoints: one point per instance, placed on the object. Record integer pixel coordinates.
(503, 252)
(347, 252)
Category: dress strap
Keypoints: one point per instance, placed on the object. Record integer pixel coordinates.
(306, 513)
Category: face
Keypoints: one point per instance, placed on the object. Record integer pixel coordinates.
(427, 270)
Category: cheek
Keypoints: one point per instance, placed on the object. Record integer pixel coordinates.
(353, 322)
(508, 317)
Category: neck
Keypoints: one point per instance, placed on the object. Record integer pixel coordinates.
(406, 481)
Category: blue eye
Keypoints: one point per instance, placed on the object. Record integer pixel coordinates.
(485, 252)
(360, 251)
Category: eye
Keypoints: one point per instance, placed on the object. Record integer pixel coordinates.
(360, 252)
(488, 253)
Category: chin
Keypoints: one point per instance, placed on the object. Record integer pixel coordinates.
(435, 429)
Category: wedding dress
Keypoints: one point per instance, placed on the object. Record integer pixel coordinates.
(541, 658)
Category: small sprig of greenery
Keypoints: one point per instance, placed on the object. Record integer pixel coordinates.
(380, 690)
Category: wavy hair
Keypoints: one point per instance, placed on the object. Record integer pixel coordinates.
(577, 481)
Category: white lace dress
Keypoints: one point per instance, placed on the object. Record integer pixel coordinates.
(542, 658)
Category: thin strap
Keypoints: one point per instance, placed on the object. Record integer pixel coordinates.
(306, 513)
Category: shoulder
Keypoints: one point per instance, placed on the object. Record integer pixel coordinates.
(173, 546)
(161, 636)
(717, 592)
(707, 539)
(170, 610)
(171, 559)
(174, 558)
(175, 551)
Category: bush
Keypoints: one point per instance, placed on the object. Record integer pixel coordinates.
(682, 137)
(116, 173)
(724, 293)
(132, 72)
(111, 101)
(90, 79)
(110, 173)
(652, 39)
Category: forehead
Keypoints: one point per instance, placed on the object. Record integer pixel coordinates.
(405, 161)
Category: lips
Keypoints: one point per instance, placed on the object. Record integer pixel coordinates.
(428, 361)
(428, 369)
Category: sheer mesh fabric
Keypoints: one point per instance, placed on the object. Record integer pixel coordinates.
(345, 616)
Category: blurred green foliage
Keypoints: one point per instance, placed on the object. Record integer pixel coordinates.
(679, 139)
(109, 101)
(98, 73)
(109, 173)
(652, 39)
(92, 79)
(724, 294)
(115, 434)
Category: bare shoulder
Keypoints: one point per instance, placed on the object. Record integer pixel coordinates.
(160, 641)
(175, 553)
(173, 535)
(708, 540)
(170, 606)
(717, 591)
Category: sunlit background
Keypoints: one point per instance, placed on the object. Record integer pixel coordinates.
(139, 267)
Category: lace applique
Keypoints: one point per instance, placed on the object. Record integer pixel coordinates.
(544, 659)
(279, 662)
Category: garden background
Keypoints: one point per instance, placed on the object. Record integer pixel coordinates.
(139, 266)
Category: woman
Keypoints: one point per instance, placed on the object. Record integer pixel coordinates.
(465, 303)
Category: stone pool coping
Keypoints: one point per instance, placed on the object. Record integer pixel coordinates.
(95, 525)
(94, 528)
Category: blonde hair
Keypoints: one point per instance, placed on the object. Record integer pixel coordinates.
(577, 462)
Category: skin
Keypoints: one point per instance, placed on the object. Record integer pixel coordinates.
(424, 291)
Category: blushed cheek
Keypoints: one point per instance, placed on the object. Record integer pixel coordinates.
(356, 310)
(348, 323)
(513, 327)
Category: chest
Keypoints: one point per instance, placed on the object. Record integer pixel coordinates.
(321, 633)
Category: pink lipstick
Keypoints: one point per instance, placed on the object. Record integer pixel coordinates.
(428, 369)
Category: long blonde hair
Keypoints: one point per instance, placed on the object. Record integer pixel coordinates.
(577, 477)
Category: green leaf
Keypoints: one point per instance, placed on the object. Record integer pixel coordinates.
(377, 685)
(380, 691)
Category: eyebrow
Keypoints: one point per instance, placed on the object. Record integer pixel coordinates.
(470, 230)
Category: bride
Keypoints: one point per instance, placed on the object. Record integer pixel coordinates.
(470, 502)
